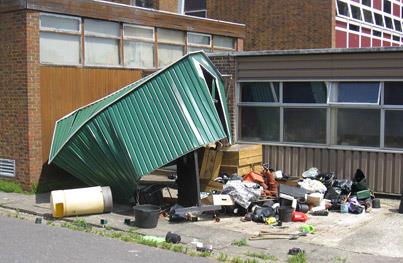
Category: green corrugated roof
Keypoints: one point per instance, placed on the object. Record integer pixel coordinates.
(143, 126)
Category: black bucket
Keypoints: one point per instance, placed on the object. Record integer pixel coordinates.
(146, 215)
(285, 213)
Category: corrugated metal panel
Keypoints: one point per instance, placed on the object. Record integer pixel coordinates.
(386, 65)
(383, 170)
(141, 127)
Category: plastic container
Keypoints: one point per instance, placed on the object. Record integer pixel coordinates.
(81, 201)
(146, 215)
(344, 208)
(376, 203)
(285, 213)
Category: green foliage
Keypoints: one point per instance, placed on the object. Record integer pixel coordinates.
(240, 243)
(261, 255)
(223, 257)
(340, 260)
(298, 258)
(9, 186)
(237, 260)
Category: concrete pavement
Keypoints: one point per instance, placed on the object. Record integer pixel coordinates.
(371, 237)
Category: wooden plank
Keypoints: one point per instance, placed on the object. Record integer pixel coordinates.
(64, 89)
(139, 16)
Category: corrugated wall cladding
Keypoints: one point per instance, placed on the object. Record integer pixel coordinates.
(143, 126)
(384, 171)
(374, 65)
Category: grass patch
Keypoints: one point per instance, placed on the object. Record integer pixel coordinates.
(298, 258)
(223, 257)
(340, 260)
(240, 243)
(78, 225)
(261, 255)
(9, 186)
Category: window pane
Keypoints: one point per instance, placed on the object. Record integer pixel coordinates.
(260, 124)
(393, 129)
(398, 26)
(260, 92)
(224, 42)
(305, 125)
(144, 3)
(99, 27)
(358, 127)
(198, 13)
(393, 93)
(198, 39)
(192, 49)
(388, 22)
(378, 19)
(60, 23)
(343, 8)
(59, 48)
(387, 6)
(356, 92)
(304, 92)
(368, 16)
(355, 12)
(139, 54)
(367, 2)
(101, 51)
(168, 54)
(138, 32)
(171, 36)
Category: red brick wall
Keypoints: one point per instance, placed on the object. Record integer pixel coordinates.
(226, 66)
(279, 24)
(20, 123)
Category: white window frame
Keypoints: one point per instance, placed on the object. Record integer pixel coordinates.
(64, 32)
(139, 39)
(223, 48)
(105, 36)
(199, 45)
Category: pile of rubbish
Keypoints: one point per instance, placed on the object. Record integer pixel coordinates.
(273, 197)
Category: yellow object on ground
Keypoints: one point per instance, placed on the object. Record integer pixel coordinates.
(82, 201)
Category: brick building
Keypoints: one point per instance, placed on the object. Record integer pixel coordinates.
(58, 55)
(294, 24)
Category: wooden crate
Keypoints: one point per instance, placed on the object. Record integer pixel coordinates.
(241, 159)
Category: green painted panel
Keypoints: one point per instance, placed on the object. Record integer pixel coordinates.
(143, 126)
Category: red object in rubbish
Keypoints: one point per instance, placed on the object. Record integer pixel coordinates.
(298, 217)
(254, 178)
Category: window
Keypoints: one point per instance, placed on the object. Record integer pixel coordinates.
(387, 6)
(378, 19)
(223, 43)
(367, 133)
(60, 39)
(393, 93)
(398, 26)
(353, 114)
(305, 125)
(138, 46)
(342, 7)
(396, 38)
(197, 41)
(356, 12)
(196, 8)
(394, 128)
(143, 3)
(260, 124)
(354, 27)
(367, 2)
(260, 92)
(355, 92)
(388, 22)
(377, 33)
(101, 42)
(304, 92)
(171, 45)
(368, 16)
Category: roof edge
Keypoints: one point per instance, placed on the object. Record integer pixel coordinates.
(306, 51)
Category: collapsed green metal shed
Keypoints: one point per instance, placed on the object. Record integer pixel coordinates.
(143, 126)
